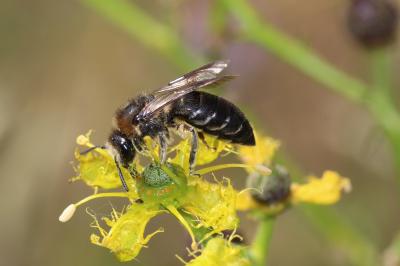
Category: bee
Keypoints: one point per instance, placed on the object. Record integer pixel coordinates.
(179, 103)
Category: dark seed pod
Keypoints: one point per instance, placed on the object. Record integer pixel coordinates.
(271, 189)
(237, 239)
(373, 22)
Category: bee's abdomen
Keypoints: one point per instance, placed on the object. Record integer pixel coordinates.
(215, 116)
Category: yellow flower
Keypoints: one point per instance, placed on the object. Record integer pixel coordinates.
(219, 251)
(200, 206)
(96, 168)
(214, 205)
(246, 202)
(204, 209)
(325, 190)
(262, 153)
(208, 151)
(125, 238)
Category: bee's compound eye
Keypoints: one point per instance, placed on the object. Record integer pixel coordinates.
(124, 146)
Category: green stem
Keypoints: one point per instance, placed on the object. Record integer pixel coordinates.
(335, 227)
(380, 102)
(103, 195)
(143, 27)
(294, 52)
(381, 70)
(214, 168)
(260, 245)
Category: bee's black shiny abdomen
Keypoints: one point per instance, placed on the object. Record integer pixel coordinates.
(215, 116)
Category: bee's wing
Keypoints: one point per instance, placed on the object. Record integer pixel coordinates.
(198, 78)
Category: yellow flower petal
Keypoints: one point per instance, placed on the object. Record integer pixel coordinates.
(325, 190)
(219, 252)
(97, 168)
(125, 238)
(262, 153)
(206, 153)
(214, 204)
(245, 202)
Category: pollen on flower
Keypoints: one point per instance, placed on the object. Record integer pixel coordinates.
(67, 213)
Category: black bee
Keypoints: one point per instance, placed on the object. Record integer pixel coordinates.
(178, 103)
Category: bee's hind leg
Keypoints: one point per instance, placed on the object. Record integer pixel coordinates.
(203, 140)
(193, 150)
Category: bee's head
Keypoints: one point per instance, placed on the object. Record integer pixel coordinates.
(122, 147)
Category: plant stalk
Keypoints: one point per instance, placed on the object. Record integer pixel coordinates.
(262, 240)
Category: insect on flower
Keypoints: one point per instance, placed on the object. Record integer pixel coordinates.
(179, 104)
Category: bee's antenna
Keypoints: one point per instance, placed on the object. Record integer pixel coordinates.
(91, 149)
(121, 176)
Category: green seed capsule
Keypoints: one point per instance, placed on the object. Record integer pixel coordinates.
(161, 183)
(154, 176)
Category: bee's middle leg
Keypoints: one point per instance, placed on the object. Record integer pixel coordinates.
(193, 150)
(163, 147)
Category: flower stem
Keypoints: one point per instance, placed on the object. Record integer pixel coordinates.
(102, 195)
(185, 224)
(380, 101)
(150, 32)
(228, 165)
(260, 245)
(294, 52)
(381, 70)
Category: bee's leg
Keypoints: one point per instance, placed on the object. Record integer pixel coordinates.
(91, 149)
(121, 176)
(163, 147)
(139, 146)
(193, 151)
(203, 140)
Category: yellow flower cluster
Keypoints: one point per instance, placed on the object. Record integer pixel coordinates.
(204, 208)
(324, 190)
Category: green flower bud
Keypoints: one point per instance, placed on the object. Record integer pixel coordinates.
(270, 189)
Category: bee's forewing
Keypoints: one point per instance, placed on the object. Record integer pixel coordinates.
(198, 78)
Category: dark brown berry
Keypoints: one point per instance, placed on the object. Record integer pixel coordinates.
(373, 22)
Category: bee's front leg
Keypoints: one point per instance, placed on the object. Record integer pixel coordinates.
(121, 176)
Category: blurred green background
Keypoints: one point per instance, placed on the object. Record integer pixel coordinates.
(64, 69)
